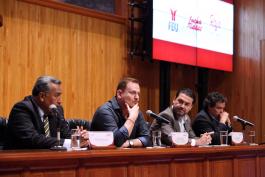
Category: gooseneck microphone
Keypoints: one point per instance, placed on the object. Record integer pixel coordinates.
(53, 109)
(157, 117)
(55, 112)
(243, 121)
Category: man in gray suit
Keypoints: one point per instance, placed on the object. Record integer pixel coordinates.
(177, 114)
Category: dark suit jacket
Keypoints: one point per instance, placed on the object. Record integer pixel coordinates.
(205, 123)
(173, 126)
(26, 129)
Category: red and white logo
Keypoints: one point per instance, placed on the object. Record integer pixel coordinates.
(173, 14)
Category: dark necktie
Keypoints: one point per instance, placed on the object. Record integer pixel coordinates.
(46, 126)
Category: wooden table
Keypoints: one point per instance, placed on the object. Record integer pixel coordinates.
(233, 161)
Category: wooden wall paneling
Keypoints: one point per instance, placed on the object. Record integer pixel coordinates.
(118, 17)
(119, 171)
(14, 174)
(257, 166)
(189, 169)
(121, 8)
(183, 76)
(247, 167)
(221, 168)
(90, 56)
(242, 86)
(1, 20)
(57, 173)
(148, 75)
(154, 170)
(87, 54)
(262, 164)
(173, 162)
(261, 135)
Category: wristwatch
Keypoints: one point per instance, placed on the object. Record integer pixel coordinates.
(193, 142)
(131, 143)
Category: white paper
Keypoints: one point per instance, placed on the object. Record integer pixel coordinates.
(237, 137)
(101, 138)
(180, 138)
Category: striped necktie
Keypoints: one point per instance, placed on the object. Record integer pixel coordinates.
(46, 126)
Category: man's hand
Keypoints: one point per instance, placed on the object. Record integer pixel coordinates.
(205, 139)
(133, 115)
(84, 142)
(133, 112)
(224, 117)
(125, 144)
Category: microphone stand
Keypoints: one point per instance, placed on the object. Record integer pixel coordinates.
(159, 122)
(243, 124)
(58, 147)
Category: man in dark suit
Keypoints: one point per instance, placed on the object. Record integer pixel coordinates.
(31, 124)
(213, 117)
(177, 114)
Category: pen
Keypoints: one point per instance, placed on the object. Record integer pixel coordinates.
(209, 133)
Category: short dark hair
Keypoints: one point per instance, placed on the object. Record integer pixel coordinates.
(213, 98)
(43, 84)
(123, 83)
(188, 92)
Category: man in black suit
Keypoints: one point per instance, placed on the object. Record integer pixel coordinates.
(213, 117)
(32, 124)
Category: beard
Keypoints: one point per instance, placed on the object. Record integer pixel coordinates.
(178, 111)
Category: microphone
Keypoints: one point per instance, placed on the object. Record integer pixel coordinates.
(55, 112)
(157, 117)
(245, 122)
(53, 109)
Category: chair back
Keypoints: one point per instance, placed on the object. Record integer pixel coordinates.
(3, 131)
(74, 122)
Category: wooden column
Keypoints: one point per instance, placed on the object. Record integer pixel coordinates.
(262, 78)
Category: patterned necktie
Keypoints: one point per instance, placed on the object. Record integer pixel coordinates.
(46, 126)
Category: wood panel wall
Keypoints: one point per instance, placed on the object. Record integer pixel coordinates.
(233, 161)
(184, 76)
(243, 86)
(89, 55)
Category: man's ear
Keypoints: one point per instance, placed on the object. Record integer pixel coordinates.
(118, 93)
(191, 107)
(42, 96)
(174, 100)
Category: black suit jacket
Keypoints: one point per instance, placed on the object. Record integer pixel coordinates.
(26, 129)
(205, 123)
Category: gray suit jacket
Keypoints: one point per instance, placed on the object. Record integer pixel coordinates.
(173, 126)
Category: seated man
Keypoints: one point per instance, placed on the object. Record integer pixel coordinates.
(213, 118)
(177, 114)
(32, 124)
(122, 116)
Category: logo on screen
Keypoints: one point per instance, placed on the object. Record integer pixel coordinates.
(195, 23)
(172, 25)
(215, 23)
(173, 14)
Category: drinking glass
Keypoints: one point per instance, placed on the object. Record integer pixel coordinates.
(223, 138)
(75, 139)
(156, 135)
(252, 136)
